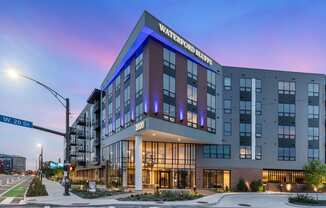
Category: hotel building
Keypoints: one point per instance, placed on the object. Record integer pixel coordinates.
(167, 115)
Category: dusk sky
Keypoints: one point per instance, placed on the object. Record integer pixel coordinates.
(70, 45)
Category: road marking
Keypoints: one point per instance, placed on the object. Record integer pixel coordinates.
(13, 187)
(7, 200)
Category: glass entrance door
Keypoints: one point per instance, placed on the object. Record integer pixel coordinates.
(164, 179)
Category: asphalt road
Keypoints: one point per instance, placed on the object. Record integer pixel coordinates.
(10, 182)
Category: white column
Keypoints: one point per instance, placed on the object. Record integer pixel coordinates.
(253, 119)
(138, 163)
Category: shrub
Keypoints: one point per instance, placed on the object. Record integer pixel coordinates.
(256, 186)
(36, 188)
(303, 199)
(241, 186)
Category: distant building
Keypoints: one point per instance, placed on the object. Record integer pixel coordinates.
(12, 163)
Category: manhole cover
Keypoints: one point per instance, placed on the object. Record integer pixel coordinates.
(245, 205)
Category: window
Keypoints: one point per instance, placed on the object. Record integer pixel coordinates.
(117, 124)
(258, 85)
(286, 153)
(139, 85)
(192, 95)
(313, 111)
(313, 89)
(139, 111)
(245, 129)
(313, 133)
(219, 151)
(286, 132)
(313, 154)
(259, 130)
(286, 88)
(211, 102)
(211, 125)
(110, 110)
(127, 118)
(245, 107)
(117, 84)
(259, 152)
(169, 112)
(127, 96)
(211, 79)
(192, 119)
(227, 129)
(258, 108)
(287, 110)
(227, 106)
(245, 85)
(192, 69)
(117, 104)
(245, 152)
(110, 91)
(127, 74)
(168, 85)
(139, 62)
(169, 58)
(227, 83)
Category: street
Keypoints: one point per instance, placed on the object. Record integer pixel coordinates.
(12, 189)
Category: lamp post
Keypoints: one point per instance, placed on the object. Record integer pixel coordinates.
(65, 103)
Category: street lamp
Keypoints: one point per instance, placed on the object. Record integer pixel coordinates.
(65, 103)
(40, 161)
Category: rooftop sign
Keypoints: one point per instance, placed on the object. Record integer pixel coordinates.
(188, 46)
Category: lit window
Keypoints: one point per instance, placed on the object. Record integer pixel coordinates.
(169, 112)
(192, 119)
(192, 94)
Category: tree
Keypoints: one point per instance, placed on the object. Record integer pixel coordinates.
(315, 174)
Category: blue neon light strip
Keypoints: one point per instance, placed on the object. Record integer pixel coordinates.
(137, 46)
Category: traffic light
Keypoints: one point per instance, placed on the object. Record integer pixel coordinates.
(71, 168)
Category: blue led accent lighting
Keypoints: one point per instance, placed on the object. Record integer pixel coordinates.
(137, 47)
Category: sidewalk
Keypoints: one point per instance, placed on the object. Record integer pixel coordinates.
(55, 197)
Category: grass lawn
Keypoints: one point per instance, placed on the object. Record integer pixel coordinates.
(18, 191)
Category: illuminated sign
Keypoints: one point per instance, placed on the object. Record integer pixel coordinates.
(188, 46)
(140, 125)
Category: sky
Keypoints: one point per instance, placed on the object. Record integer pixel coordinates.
(70, 45)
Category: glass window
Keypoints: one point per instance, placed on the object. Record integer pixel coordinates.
(227, 106)
(127, 96)
(313, 133)
(259, 130)
(192, 69)
(169, 112)
(117, 104)
(286, 153)
(286, 132)
(117, 84)
(227, 83)
(139, 85)
(127, 118)
(245, 129)
(168, 85)
(192, 95)
(245, 152)
(313, 154)
(211, 99)
(245, 107)
(313, 89)
(211, 79)
(286, 88)
(127, 74)
(169, 58)
(258, 85)
(227, 129)
(219, 151)
(139, 62)
(211, 125)
(258, 108)
(192, 119)
(139, 111)
(259, 152)
(313, 111)
(245, 84)
(287, 110)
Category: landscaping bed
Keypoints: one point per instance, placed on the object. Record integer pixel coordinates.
(305, 199)
(163, 196)
(93, 195)
(36, 188)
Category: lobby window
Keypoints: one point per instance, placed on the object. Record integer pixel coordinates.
(245, 107)
(219, 151)
(258, 108)
(211, 125)
(139, 111)
(245, 129)
(245, 152)
(169, 58)
(192, 95)
(313, 111)
(313, 133)
(287, 110)
(286, 153)
(127, 74)
(227, 106)
(168, 85)
(313, 154)
(117, 84)
(169, 112)
(258, 85)
(139, 62)
(117, 104)
(245, 85)
(227, 129)
(286, 132)
(211, 102)
(227, 83)
(286, 88)
(313, 89)
(192, 119)
(192, 70)
(211, 79)
(139, 85)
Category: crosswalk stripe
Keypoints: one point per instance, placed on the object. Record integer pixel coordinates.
(7, 200)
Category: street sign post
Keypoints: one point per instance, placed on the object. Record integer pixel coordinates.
(16, 121)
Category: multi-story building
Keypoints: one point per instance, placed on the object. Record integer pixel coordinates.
(12, 164)
(168, 115)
